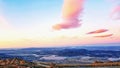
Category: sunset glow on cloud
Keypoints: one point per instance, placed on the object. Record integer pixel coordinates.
(27, 23)
(102, 36)
(97, 31)
(71, 12)
(115, 14)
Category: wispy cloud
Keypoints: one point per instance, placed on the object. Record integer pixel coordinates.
(98, 31)
(72, 9)
(3, 22)
(102, 36)
(115, 14)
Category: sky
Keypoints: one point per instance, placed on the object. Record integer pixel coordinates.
(29, 23)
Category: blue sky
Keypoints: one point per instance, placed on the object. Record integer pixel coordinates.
(31, 21)
(28, 12)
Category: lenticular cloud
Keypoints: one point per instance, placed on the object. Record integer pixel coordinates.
(97, 31)
(70, 14)
(102, 36)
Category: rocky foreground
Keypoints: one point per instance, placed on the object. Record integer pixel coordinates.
(15, 63)
(19, 63)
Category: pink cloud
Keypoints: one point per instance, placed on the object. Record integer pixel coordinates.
(116, 12)
(102, 36)
(70, 13)
(97, 31)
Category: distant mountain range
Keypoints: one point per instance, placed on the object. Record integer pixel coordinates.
(63, 53)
